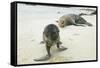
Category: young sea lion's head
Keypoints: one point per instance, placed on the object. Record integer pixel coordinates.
(51, 32)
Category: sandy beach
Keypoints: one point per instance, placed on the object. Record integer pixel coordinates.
(80, 41)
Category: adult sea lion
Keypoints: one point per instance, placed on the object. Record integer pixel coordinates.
(72, 19)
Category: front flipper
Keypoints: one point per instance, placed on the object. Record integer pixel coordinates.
(42, 42)
(60, 42)
(73, 22)
(44, 58)
(62, 48)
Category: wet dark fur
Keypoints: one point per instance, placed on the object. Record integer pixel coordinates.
(51, 36)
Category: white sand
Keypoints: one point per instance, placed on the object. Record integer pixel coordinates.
(80, 41)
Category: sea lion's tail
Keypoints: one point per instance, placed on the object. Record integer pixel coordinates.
(89, 24)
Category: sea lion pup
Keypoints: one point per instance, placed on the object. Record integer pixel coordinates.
(72, 19)
(51, 37)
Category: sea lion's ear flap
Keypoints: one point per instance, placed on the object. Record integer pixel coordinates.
(57, 21)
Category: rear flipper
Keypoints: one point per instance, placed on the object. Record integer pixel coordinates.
(89, 24)
(61, 48)
(42, 42)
